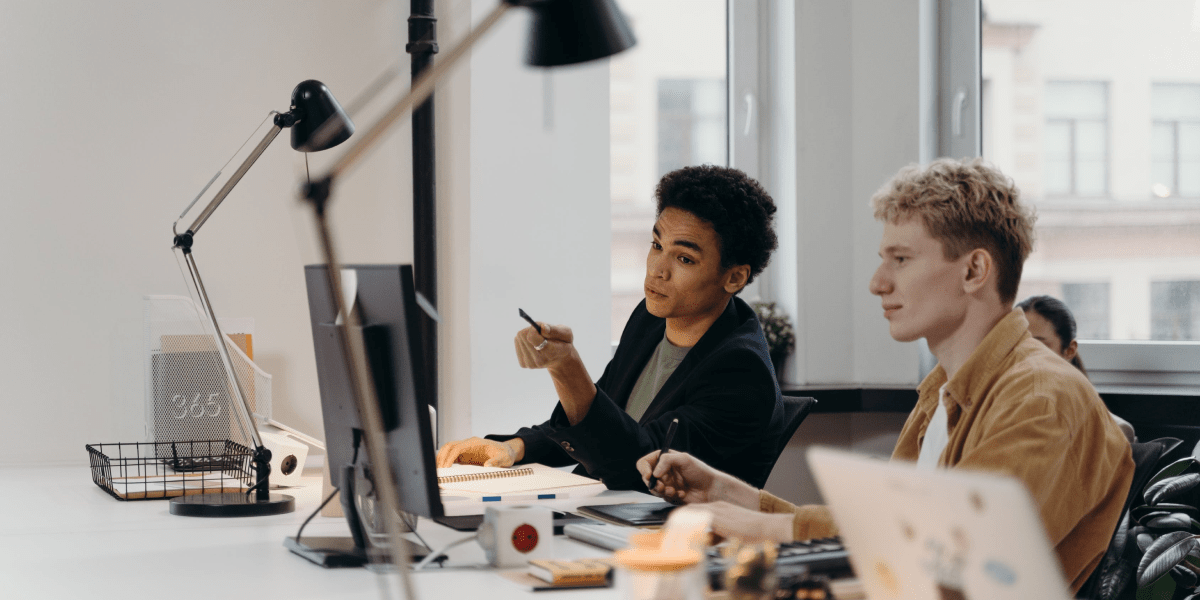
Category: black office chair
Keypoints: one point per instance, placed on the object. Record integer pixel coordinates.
(795, 408)
(1114, 578)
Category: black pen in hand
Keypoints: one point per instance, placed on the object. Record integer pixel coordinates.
(525, 315)
(665, 446)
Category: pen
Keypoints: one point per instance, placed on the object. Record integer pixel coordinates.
(665, 446)
(525, 315)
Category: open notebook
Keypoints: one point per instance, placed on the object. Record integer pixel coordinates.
(499, 480)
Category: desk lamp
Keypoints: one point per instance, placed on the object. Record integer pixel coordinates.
(313, 109)
(562, 32)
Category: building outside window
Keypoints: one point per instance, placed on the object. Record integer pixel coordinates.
(667, 110)
(1078, 111)
(1175, 140)
(691, 123)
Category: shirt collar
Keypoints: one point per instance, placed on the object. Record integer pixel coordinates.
(988, 358)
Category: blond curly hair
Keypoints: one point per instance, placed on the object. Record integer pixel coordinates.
(965, 204)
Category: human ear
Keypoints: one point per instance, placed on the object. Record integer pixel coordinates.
(1071, 350)
(979, 266)
(737, 278)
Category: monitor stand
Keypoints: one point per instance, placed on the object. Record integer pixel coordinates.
(461, 523)
(340, 552)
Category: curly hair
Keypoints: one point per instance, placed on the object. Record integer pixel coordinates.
(965, 204)
(736, 206)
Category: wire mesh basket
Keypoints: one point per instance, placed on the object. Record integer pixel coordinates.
(155, 470)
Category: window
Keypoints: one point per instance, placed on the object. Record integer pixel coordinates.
(667, 110)
(1105, 150)
(1175, 140)
(1076, 139)
(691, 123)
(1175, 310)
(1089, 304)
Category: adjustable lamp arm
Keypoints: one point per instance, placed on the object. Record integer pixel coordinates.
(184, 241)
(313, 108)
(281, 121)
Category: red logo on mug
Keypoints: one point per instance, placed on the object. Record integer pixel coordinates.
(525, 538)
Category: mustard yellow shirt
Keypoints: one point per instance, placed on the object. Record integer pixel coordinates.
(1017, 408)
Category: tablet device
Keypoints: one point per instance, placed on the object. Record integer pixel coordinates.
(641, 514)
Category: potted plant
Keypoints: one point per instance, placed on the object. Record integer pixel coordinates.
(777, 328)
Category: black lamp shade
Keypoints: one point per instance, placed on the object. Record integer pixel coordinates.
(565, 32)
(313, 105)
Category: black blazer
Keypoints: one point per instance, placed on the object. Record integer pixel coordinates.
(724, 393)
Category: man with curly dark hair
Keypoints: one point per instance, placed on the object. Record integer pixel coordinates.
(692, 351)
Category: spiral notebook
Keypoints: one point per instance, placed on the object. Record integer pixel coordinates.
(500, 480)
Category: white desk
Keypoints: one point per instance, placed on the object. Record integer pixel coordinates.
(61, 536)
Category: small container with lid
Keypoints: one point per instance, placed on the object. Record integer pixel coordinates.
(653, 573)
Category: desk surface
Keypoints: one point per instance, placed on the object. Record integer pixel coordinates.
(63, 537)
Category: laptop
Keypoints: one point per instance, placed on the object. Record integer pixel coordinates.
(937, 534)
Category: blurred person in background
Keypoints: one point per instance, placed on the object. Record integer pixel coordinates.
(1051, 323)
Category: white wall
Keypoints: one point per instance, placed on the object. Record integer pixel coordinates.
(532, 230)
(118, 113)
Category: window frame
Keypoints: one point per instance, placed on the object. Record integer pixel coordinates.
(1126, 366)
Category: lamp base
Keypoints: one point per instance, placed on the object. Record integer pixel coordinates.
(340, 552)
(236, 504)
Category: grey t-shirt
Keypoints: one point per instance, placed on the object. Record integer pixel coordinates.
(662, 364)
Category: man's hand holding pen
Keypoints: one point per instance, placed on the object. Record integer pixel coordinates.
(682, 478)
(551, 347)
(556, 342)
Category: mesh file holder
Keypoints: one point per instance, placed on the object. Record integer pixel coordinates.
(156, 470)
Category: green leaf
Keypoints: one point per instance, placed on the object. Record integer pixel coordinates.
(1176, 468)
(1169, 522)
(1162, 589)
(1166, 552)
(1171, 487)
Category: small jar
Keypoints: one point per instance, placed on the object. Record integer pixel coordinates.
(655, 574)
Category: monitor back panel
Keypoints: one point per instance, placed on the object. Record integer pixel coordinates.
(386, 304)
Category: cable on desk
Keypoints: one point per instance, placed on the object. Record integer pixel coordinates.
(434, 555)
(412, 526)
(354, 459)
(314, 513)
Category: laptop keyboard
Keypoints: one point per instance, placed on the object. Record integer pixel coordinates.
(796, 561)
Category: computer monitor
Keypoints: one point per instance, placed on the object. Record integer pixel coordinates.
(385, 300)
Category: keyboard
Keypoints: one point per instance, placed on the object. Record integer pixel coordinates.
(601, 535)
(796, 562)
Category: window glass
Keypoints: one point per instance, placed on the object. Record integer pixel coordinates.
(668, 110)
(1089, 304)
(1175, 310)
(1094, 111)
